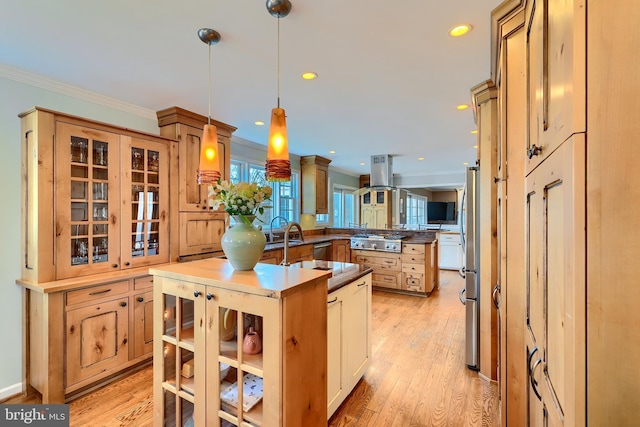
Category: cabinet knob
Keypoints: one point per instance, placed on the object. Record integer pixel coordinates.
(196, 294)
(114, 265)
(127, 264)
(140, 299)
(209, 296)
(534, 151)
(123, 304)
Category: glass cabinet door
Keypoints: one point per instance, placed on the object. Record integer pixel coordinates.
(145, 184)
(87, 201)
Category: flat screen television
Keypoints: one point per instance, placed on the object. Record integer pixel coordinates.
(441, 211)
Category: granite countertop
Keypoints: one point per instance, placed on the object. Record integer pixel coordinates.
(419, 238)
(342, 273)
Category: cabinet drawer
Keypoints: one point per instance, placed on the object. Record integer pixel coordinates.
(412, 268)
(145, 282)
(413, 258)
(408, 248)
(302, 252)
(378, 262)
(454, 238)
(413, 282)
(271, 257)
(95, 293)
(386, 279)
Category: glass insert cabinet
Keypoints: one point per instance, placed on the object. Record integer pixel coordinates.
(111, 201)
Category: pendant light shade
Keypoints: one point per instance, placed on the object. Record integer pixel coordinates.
(209, 166)
(278, 166)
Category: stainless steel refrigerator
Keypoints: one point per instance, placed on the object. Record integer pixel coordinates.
(470, 294)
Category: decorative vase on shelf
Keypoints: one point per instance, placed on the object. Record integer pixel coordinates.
(252, 343)
(243, 244)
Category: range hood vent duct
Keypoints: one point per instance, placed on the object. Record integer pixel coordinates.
(381, 171)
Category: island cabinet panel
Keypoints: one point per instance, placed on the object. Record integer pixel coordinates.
(240, 348)
(96, 209)
(341, 250)
(348, 339)
(387, 267)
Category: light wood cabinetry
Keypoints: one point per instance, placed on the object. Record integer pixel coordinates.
(300, 253)
(315, 184)
(96, 216)
(96, 197)
(341, 249)
(348, 339)
(580, 339)
(419, 270)
(199, 228)
(387, 267)
(375, 208)
(273, 256)
(282, 310)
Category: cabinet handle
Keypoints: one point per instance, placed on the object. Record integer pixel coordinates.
(494, 295)
(460, 296)
(332, 301)
(209, 296)
(123, 304)
(534, 383)
(114, 265)
(362, 284)
(534, 151)
(99, 292)
(140, 299)
(196, 294)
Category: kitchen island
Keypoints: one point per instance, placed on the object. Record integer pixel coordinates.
(199, 373)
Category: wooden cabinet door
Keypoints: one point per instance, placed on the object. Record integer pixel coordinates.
(97, 339)
(555, 306)
(337, 387)
(341, 251)
(200, 232)
(556, 46)
(358, 327)
(87, 195)
(145, 203)
(143, 324)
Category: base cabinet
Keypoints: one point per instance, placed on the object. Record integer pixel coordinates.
(348, 339)
(450, 251)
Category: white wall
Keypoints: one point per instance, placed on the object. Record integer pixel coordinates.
(19, 92)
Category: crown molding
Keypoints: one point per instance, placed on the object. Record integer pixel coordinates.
(31, 79)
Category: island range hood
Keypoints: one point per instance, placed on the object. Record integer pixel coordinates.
(381, 176)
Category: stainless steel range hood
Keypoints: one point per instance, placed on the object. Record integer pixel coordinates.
(381, 171)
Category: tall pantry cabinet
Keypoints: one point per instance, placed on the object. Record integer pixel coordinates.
(580, 203)
(96, 216)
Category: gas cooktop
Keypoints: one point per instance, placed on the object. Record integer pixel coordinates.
(377, 242)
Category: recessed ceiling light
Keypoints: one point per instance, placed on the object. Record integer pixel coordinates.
(420, 158)
(463, 106)
(258, 123)
(465, 163)
(475, 146)
(460, 30)
(473, 132)
(361, 163)
(309, 75)
(332, 151)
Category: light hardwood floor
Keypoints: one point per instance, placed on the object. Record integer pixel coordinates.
(418, 376)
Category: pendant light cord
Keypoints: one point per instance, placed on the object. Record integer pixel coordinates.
(209, 116)
(278, 62)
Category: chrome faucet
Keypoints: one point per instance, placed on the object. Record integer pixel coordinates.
(285, 260)
(281, 218)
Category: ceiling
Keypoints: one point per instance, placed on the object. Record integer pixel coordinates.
(389, 75)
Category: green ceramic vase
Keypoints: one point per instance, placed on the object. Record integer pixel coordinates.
(243, 244)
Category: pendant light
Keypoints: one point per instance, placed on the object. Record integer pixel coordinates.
(209, 167)
(278, 166)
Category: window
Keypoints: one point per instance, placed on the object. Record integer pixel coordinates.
(283, 198)
(416, 209)
(344, 207)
